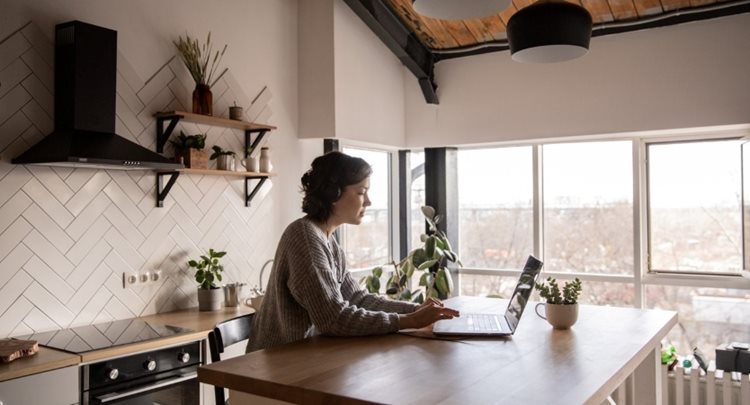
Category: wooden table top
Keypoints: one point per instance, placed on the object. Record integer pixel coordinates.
(538, 365)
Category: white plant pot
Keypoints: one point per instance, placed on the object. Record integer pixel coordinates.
(210, 300)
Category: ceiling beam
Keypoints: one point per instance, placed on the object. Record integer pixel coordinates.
(402, 42)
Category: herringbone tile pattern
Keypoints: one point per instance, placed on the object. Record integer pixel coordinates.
(67, 235)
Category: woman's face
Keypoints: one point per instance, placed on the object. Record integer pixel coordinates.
(350, 208)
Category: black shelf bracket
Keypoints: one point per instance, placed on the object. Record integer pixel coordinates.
(162, 190)
(250, 147)
(249, 196)
(163, 134)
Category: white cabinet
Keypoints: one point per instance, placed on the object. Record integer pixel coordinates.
(52, 387)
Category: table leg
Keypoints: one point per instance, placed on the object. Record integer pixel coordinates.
(646, 380)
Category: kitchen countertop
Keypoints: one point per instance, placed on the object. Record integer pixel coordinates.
(199, 322)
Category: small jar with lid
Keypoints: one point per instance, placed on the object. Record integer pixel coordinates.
(265, 160)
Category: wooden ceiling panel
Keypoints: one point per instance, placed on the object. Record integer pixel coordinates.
(451, 34)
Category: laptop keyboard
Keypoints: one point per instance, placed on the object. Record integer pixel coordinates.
(482, 323)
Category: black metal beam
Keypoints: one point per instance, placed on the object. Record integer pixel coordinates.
(401, 41)
(441, 189)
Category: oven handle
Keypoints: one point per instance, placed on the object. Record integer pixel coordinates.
(123, 394)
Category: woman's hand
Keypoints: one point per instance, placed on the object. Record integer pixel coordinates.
(426, 314)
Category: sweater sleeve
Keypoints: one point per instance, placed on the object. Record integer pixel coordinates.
(314, 285)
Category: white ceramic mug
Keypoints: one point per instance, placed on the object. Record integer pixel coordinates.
(250, 164)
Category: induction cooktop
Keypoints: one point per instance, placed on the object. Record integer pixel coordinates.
(83, 339)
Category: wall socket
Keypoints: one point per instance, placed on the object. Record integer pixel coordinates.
(130, 279)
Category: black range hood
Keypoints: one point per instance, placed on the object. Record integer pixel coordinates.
(85, 97)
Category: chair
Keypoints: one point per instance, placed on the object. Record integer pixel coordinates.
(226, 334)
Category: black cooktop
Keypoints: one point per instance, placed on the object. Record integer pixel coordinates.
(83, 339)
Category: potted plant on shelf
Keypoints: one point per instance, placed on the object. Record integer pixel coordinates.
(561, 305)
(432, 258)
(207, 272)
(224, 158)
(189, 149)
(202, 67)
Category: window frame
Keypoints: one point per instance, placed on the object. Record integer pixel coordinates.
(392, 200)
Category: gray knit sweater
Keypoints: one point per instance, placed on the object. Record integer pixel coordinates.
(311, 292)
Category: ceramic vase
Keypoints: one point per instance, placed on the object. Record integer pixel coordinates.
(203, 100)
(210, 300)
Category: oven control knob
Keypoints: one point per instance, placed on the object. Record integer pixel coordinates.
(150, 365)
(113, 373)
(183, 357)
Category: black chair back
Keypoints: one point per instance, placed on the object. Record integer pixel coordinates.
(226, 334)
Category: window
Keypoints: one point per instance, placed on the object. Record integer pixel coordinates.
(654, 223)
(495, 194)
(368, 244)
(588, 207)
(694, 197)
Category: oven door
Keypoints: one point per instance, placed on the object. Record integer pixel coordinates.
(182, 389)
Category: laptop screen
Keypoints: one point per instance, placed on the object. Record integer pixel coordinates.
(522, 292)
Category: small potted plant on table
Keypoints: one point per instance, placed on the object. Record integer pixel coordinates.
(208, 271)
(561, 306)
(189, 148)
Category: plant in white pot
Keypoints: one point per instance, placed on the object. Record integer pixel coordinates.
(561, 306)
(208, 271)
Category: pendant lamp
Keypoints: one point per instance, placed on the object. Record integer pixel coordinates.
(459, 9)
(549, 31)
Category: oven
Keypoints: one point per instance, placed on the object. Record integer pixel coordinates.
(162, 376)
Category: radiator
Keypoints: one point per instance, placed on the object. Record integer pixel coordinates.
(692, 386)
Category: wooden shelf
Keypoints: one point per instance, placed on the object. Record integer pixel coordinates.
(211, 120)
(213, 172)
(171, 118)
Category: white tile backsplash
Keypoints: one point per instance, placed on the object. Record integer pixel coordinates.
(66, 235)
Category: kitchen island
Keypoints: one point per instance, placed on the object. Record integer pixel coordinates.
(538, 365)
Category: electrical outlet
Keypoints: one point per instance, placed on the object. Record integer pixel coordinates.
(128, 279)
(145, 277)
(156, 275)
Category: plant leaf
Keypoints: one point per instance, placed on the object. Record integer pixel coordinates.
(377, 271)
(427, 264)
(428, 211)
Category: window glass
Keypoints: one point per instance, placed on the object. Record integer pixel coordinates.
(495, 195)
(707, 317)
(368, 244)
(588, 207)
(694, 206)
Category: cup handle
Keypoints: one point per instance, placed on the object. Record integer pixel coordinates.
(536, 309)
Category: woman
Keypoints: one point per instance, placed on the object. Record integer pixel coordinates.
(310, 291)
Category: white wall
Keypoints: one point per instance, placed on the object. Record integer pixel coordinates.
(351, 85)
(369, 83)
(689, 75)
(67, 235)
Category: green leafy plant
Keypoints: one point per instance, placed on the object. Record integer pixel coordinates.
(550, 291)
(208, 269)
(198, 60)
(431, 258)
(218, 151)
(184, 142)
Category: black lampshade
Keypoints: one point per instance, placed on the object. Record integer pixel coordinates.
(549, 31)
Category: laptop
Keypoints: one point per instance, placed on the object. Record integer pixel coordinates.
(495, 324)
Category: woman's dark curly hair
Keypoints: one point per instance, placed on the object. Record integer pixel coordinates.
(324, 183)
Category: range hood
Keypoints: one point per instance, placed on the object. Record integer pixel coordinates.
(85, 97)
